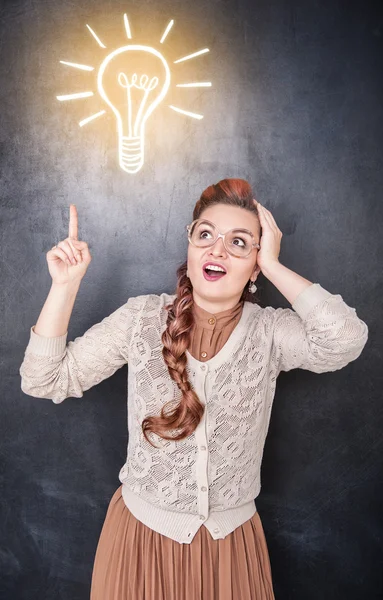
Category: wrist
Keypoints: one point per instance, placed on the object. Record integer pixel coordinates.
(272, 267)
(68, 285)
(65, 290)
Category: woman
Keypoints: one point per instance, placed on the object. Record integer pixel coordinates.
(203, 364)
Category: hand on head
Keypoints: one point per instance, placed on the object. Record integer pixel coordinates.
(271, 236)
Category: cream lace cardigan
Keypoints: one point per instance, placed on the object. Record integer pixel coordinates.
(212, 477)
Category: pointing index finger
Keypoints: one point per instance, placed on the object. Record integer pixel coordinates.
(73, 222)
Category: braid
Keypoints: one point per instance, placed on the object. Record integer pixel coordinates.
(176, 340)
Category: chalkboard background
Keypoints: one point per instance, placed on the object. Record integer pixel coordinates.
(295, 108)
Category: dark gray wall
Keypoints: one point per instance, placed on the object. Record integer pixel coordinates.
(295, 108)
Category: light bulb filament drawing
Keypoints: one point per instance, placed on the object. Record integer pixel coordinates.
(143, 85)
(133, 80)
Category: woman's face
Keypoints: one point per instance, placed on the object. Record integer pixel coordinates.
(225, 292)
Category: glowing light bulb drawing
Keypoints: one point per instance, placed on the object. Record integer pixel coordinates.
(133, 80)
(131, 126)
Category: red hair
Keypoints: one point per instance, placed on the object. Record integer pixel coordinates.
(176, 338)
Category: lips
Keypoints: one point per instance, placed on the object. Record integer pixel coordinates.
(213, 275)
(212, 262)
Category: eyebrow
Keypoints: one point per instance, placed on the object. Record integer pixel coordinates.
(238, 228)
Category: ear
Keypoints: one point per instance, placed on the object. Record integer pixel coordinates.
(256, 271)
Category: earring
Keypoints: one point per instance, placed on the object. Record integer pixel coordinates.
(187, 273)
(252, 287)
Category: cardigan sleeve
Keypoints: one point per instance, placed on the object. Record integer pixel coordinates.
(55, 369)
(321, 334)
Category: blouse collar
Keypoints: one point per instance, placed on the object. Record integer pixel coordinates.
(208, 320)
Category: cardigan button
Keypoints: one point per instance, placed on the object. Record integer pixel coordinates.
(203, 447)
(216, 530)
(211, 321)
(202, 517)
(203, 368)
(204, 488)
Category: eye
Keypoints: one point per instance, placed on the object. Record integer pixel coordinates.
(202, 232)
(238, 238)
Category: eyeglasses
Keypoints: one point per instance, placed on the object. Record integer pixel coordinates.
(238, 242)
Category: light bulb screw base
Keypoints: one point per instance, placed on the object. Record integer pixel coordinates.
(131, 153)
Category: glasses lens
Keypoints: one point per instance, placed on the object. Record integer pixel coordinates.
(203, 234)
(238, 242)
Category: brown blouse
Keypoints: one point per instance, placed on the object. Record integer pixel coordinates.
(211, 331)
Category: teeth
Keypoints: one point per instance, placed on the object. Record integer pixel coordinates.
(214, 268)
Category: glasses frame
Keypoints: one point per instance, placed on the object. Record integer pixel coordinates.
(223, 236)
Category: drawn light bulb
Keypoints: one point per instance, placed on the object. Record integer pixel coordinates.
(133, 80)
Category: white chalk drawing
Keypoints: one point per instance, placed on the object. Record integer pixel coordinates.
(119, 75)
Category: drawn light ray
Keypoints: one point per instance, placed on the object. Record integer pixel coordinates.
(75, 96)
(168, 28)
(185, 112)
(131, 123)
(88, 119)
(198, 84)
(192, 55)
(99, 42)
(77, 66)
(127, 26)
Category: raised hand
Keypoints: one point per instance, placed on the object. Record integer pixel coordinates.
(69, 260)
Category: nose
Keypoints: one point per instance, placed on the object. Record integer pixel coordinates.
(218, 248)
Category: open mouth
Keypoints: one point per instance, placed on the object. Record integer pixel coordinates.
(212, 274)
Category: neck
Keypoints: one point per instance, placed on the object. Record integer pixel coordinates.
(215, 306)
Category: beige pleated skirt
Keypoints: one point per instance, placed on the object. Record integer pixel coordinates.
(133, 562)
